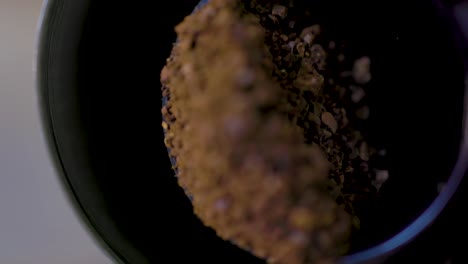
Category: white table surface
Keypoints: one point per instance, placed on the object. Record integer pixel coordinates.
(37, 223)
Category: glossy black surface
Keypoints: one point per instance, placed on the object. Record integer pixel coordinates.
(100, 90)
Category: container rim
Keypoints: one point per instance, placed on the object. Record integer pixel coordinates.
(453, 16)
(46, 34)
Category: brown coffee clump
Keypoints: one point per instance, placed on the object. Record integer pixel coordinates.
(261, 138)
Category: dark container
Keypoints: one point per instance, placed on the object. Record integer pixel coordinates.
(98, 70)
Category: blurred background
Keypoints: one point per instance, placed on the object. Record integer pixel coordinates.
(37, 223)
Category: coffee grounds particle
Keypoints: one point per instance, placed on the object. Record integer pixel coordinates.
(264, 144)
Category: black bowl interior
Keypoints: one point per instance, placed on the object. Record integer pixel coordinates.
(416, 103)
(122, 51)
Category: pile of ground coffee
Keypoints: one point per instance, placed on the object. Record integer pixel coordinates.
(262, 133)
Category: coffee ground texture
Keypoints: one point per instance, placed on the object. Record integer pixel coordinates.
(262, 133)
